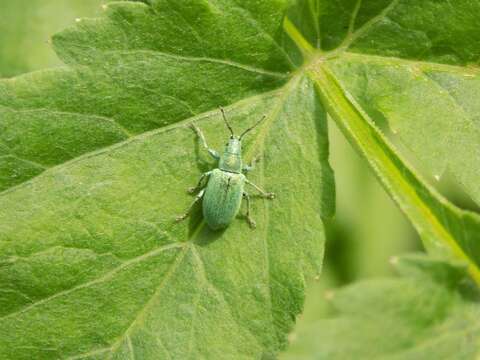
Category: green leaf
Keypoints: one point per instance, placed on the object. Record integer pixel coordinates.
(432, 110)
(93, 262)
(445, 229)
(130, 77)
(430, 312)
(100, 154)
(96, 156)
(373, 64)
(415, 66)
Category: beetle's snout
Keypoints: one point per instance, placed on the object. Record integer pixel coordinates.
(234, 146)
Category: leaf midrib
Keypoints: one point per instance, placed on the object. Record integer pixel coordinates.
(375, 149)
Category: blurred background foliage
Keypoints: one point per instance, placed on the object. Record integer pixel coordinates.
(367, 230)
(26, 27)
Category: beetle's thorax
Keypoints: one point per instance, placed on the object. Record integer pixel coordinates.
(231, 159)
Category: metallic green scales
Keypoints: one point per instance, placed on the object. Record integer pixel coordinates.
(222, 196)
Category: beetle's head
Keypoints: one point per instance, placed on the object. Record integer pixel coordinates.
(234, 144)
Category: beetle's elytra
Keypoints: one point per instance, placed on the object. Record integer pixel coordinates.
(222, 196)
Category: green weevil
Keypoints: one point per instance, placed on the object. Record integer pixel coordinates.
(222, 195)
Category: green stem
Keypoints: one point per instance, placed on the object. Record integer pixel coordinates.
(444, 229)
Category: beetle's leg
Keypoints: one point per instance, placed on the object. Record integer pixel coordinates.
(251, 166)
(212, 152)
(250, 221)
(199, 184)
(264, 194)
(197, 198)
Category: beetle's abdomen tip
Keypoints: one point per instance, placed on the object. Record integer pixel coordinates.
(216, 226)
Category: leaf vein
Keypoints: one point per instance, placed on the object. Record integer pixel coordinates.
(351, 38)
(353, 19)
(203, 59)
(104, 277)
(423, 65)
(247, 14)
(34, 163)
(211, 286)
(158, 290)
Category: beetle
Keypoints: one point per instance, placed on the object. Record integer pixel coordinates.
(222, 195)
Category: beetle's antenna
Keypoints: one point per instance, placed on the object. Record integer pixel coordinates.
(226, 122)
(253, 127)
